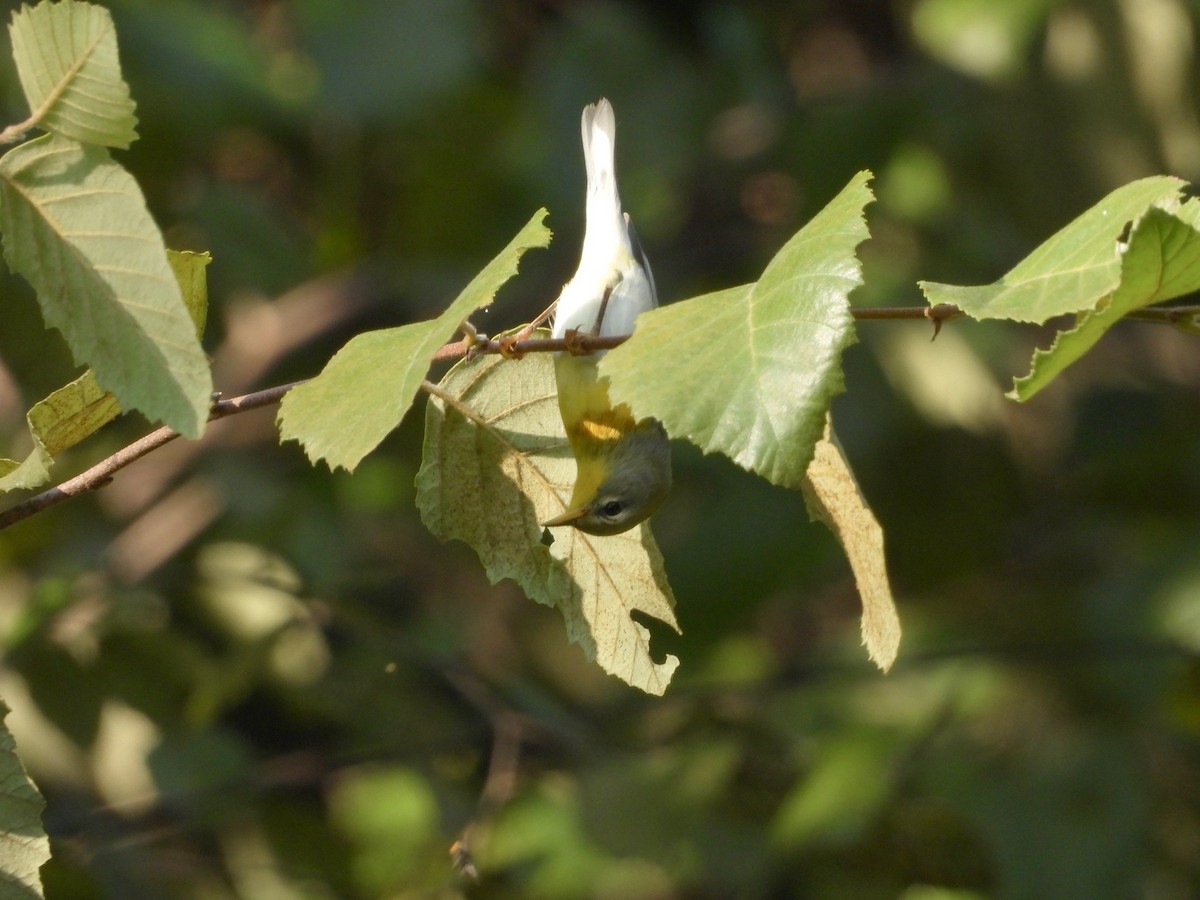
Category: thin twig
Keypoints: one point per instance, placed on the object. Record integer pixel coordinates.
(1179, 316)
(498, 788)
(1183, 317)
(102, 472)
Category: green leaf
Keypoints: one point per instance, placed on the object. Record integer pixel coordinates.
(25, 847)
(1073, 270)
(190, 270)
(833, 498)
(1161, 262)
(76, 226)
(79, 409)
(365, 390)
(496, 464)
(751, 371)
(66, 56)
(61, 420)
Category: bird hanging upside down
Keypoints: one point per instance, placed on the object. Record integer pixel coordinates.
(623, 465)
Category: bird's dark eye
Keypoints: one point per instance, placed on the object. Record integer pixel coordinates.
(611, 509)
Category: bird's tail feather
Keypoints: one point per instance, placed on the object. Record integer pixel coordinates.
(599, 127)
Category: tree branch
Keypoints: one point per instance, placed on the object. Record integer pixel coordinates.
(1184, 317)
(1180, 316)
(101, 474)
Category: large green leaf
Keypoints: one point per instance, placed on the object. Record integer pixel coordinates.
(364, 391)
(76, 226)
(750, 371)
(82, 407)
(24, 847)
(1073, 270)
(496, 464)
(1161, 262)
(66, 56)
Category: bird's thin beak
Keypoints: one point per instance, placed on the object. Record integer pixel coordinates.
(570, 517)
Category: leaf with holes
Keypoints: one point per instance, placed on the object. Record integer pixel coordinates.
(496, 464)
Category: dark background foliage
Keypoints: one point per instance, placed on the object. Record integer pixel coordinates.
(234, 675)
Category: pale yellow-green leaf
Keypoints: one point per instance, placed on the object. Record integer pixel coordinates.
(75, 225)
(79, 409)
(61, 420)
(343, 413)
(496, 464)
(66, 56)
(833, 498)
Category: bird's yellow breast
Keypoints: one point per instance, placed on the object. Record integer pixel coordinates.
(590, 418)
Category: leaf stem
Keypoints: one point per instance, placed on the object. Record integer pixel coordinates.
(14, 133)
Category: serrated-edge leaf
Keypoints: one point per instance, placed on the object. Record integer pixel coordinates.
(369, 385)
(496, 464)
(1160, 262)
(80, 408)
(833, 498)
(25, 847)
(750, 371)
(1073, 270)
(75, 225)
(67, 61)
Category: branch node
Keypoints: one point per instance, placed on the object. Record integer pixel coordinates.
(508, 346)
(574, 340)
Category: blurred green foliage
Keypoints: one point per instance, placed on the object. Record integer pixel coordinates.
(233, 675)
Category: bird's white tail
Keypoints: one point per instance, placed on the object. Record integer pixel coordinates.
(605, 225)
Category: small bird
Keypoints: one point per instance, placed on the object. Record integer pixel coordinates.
(623, 465)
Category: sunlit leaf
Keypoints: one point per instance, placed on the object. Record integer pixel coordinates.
(66, 56)
(750, 371)
(75, 225)
(1072, 271)
(82, 407)
(62, 419)
(833, 498)
(364, 391)
(496, 464)
(24, 847)
(1162, 262)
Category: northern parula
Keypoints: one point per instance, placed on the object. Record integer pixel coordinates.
(623, 465)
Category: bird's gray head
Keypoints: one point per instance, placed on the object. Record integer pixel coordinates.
(634, 478)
